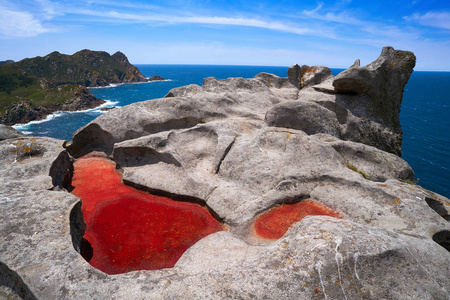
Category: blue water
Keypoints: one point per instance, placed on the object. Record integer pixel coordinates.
(425, 119)
(424, 115)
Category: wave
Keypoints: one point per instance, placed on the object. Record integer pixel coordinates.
(155, 80)
(23, 127)
(113, 85)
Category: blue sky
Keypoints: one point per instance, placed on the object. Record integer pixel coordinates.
(273, 33)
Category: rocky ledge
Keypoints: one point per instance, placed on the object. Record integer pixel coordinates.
(318, 151)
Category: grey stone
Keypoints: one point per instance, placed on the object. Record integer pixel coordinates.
(367, 99)
(309, 117)
(382, 81)
(7, 132)
(377, 164)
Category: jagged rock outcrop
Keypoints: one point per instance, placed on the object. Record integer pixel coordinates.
(382, 81)
(225, 144)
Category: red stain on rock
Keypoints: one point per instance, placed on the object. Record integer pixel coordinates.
(274, 223)
(132, 230)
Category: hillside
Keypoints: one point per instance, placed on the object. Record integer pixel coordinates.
(88, 68)
(35, 87)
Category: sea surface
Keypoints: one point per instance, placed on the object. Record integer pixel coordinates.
(425, 113)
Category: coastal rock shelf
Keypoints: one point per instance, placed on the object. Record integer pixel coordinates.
(303, 196)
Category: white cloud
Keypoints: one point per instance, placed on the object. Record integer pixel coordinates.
(48, 10)
(433, 19)
(19, 24)
(342, 18)
(207, 20)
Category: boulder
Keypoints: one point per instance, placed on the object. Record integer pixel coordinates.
(309, 117)
(7, 132)
(241, 149)
(156, 78)
(307, 76)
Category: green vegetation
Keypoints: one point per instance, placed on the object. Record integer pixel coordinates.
(15, 87)
(353, 168)
(411, 182)
(89, 68)
(57, 79)
(12, 78)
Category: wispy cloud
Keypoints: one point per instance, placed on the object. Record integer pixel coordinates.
(342, 18)
(19, 24)
(351, 28)
(157, 19)
(433, 19)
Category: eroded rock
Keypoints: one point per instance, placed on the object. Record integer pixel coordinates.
(7, 132)
(309, 117)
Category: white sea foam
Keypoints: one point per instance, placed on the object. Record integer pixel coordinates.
(155, 80)
(24, 127)
(113, 85)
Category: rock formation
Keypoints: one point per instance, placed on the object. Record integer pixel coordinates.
(7, 132)
(156, 78)
(255, 152)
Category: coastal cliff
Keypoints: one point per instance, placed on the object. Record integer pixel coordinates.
(33, 88)
(293, 184)
(86, 67)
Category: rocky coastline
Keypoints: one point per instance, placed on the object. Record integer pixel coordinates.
(301, 177)
(59, 82)
(24, 111)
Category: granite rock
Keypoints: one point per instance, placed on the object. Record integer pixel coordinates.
(7, 132)
(307, 116)
(383, 82)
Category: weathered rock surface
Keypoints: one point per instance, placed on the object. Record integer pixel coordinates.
(382, 81)
(242, 147)
(307, 116)
(7, 132)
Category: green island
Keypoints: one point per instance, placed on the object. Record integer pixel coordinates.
(35, 87)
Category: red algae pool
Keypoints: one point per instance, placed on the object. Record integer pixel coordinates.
(274, 223)
(133, 230)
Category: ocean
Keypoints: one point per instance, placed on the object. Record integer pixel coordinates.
(424, 114)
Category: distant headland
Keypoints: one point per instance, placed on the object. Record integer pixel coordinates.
(33, 88)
